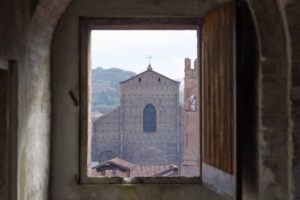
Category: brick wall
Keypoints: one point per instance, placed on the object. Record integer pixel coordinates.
(106, 134)
(191, 153)
(121, 130)
(159, 147)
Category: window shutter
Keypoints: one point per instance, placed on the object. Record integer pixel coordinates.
(218, 100)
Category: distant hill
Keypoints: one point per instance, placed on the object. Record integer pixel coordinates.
(111, 76)
(109, 99)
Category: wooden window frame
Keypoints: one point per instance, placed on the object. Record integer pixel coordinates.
(12, 126)
(86, 25)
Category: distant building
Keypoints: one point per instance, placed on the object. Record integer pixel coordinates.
(120, 168)
(98, 88)
(191, 157)
(147, 127)
(96, 115)
(150, 129)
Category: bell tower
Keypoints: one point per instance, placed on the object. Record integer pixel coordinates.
(191, 155)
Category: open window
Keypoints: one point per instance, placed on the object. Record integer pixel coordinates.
(218, 101)
(210, 100)
(145, 131)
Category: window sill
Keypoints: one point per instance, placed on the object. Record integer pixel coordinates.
(141, 180)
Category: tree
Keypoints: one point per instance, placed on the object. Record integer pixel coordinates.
(110, 98)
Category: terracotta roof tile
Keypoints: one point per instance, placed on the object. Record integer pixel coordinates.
(116, 161)
(148, 170)
(140, 170)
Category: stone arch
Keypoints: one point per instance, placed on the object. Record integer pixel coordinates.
(274, 69)
(39, 38)
(270, 22)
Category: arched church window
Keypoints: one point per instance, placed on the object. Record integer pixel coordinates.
(158, 79)
(140, 79)
(149, 118)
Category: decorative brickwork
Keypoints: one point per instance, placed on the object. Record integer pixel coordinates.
(106, 134)
(121, 131)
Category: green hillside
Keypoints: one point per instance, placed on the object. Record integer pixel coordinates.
(110, 76)
(109, 99)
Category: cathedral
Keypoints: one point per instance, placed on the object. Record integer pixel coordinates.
(147, 127)
(150, 127)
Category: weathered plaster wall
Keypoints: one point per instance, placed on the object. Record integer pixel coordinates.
(65, 115)
(274, 110)
(274, 99)
(34, 82)
(15, 19)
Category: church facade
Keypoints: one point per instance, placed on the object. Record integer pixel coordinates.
(147, 127)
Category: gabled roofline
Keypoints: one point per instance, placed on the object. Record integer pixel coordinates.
(109, 113)
(145, 72)
(111, 161)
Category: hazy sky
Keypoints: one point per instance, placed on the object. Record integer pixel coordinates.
(129, 50)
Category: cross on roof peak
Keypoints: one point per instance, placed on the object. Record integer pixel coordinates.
(149, 66)
(149, 57)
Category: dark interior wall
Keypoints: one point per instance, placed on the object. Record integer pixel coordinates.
(247, 101)
(14, 23)
(3, 132)
(33, 5)
(293, 16)
(15, 19)
(274, 106)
